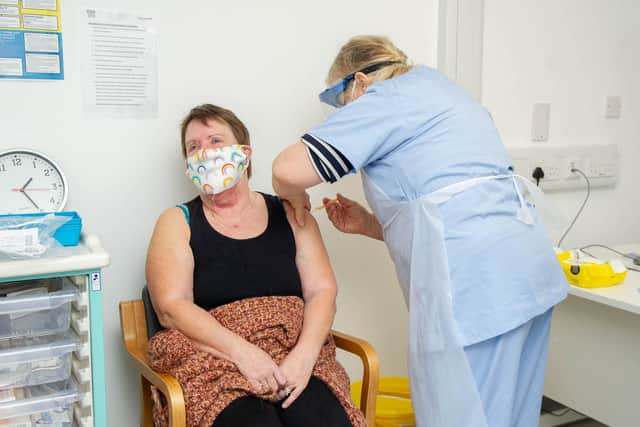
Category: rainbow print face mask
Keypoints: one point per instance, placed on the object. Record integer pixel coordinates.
(214, 170)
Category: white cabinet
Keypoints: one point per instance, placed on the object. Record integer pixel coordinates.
(51, 339)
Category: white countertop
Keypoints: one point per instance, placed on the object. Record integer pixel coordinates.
(625, 296)
(87, 255)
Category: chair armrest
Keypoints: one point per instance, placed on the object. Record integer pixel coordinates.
(167, 384)
(371, 371)
(134, 334)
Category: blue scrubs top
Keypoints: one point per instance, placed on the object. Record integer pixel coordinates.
(420, 132)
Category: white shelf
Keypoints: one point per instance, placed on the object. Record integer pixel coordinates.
(88, 255)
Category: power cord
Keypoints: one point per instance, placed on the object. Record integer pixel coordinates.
(538, 174)
(584, 203)
(635, 258)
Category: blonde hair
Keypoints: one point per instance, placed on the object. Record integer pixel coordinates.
(362, 51)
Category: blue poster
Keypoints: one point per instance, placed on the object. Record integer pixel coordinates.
(31, 55)
(31, 40)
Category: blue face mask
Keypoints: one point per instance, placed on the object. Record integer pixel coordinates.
(333, 95)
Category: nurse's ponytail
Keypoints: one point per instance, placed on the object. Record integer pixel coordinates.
(362, 51)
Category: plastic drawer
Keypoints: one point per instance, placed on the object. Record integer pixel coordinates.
(47, 404)
(28, 361)
(37, 307)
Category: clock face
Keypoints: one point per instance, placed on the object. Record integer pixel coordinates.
(30, 182)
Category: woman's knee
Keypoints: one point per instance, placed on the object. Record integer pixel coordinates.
(316, 406)
(249, 411)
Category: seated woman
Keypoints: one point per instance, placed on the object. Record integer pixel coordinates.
(247, 296)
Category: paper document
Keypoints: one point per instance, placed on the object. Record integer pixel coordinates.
(40, 22)
(121, 66)
(41, 42)
(10, 66)
(39, 4)
(9, 10)
(9, 21)
(43, 63)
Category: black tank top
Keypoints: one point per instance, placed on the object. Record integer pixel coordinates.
(228, 270)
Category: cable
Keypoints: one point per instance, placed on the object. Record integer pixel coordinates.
(595, 245)
(584, 203)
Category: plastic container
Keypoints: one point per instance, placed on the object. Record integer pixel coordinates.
(42, 405)
(28, 361)
(393, 402)
(37, 307)
(68, 234)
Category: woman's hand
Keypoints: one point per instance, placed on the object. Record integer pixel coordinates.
(349, 216)
(259, 369)
(297, 369)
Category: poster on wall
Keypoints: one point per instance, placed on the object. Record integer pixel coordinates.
(120, 64)
(31, 40)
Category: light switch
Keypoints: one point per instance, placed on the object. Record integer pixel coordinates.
(540, 122)
(613, 107)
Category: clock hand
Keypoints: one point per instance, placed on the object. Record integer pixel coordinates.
(26, 183)
(31, 200)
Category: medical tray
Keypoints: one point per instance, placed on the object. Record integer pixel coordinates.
(28, 361)
(47, 404)
(36, 307)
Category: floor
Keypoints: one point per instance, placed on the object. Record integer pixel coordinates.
(586, 423)
(555, 414)
(566, 418)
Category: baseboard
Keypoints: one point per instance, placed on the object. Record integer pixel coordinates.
(548, 420)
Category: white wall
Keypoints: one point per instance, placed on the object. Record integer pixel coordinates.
(571, 53)
(267, 62)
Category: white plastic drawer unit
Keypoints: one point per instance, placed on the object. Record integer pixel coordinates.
(39, 307)
(51, 338)
(47, 404)
(30, 361)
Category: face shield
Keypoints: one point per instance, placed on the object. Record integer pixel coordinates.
(334, 95)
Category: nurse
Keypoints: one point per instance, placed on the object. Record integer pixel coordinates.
(478, 273)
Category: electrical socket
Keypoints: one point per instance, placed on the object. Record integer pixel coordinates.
(551, 170)
(590, 167)
(569, 164)
(599, 162)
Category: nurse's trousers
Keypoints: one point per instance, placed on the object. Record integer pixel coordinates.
(509, 372)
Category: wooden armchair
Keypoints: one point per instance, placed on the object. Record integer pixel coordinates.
(139, 322)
